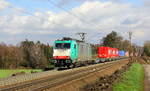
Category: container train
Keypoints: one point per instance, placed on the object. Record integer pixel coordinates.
(71, 52)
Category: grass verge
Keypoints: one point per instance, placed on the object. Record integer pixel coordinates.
(132, 80)
(6, 72)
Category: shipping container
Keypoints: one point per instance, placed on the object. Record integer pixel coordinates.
(116, 52)
(127, 54)
(104, 52)
(121, 53)
(107, 54)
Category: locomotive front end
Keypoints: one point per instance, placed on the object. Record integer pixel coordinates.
(61, 53)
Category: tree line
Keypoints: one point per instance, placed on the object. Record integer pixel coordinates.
(146, 48)
(27, 55)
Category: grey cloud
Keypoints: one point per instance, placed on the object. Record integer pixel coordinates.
(3, 4)
(146, 3)
(65, 2)
(104, 16)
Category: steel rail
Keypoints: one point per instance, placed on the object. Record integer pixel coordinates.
(52, 81)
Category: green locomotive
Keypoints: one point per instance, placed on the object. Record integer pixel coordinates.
(71, 52)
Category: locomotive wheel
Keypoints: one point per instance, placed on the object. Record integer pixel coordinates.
(68, 66)
(71, 66)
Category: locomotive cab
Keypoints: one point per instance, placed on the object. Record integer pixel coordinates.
(64, 53)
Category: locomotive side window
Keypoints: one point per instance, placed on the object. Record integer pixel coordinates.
(74, 46)
(62, 45)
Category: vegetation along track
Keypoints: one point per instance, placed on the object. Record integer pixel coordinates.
(60, 79)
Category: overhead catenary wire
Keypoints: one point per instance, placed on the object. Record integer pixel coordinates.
(52, 2)
(74, 15)
(24, 11)
(56, 5)
(27, 12)
(20, 10)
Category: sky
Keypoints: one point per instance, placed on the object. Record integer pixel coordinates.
(48, 20)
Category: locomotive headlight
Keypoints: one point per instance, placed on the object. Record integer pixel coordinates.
(55, 61)
(67, 61)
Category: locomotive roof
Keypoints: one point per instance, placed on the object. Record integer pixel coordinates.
(68, 38)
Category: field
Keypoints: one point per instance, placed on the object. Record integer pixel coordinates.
(132, 80)
(7, 72)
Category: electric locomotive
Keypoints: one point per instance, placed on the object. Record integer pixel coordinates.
(71, 52)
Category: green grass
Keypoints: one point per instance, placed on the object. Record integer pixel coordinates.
(6, 72)
(132, 80)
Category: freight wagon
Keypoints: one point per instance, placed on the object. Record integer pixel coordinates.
(121, 53)
(107, 54)
(71, 52)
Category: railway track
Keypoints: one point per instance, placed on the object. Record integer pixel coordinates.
(59, 79)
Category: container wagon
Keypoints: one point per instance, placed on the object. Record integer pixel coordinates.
(114, 53)
(122, 54)
(107, 54)
(71, 52)
(127, 54)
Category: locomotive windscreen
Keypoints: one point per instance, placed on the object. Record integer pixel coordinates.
(62, 46)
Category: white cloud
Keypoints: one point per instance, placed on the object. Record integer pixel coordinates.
(139, 33)
(3, 4)
(146, 2)
(92, 17)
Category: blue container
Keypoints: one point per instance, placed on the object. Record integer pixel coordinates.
(121, 53)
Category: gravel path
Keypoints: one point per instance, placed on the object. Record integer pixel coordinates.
(25, 77)
(147, 77)
(29, 77)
